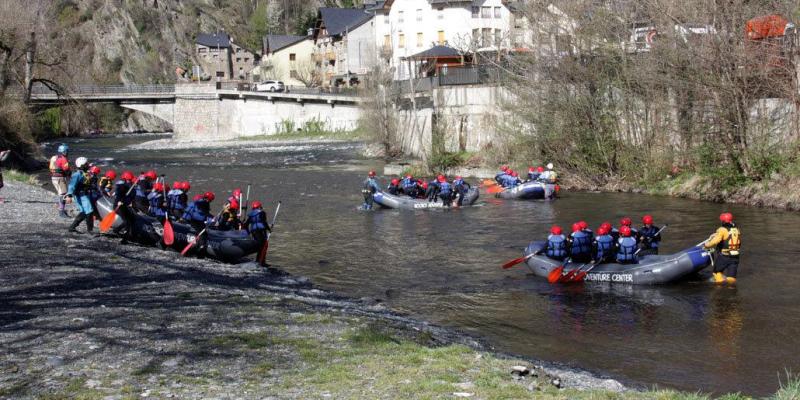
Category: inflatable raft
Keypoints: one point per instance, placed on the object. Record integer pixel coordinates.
(651, 269)
(387, 200)
(228, 246)
(529, 191)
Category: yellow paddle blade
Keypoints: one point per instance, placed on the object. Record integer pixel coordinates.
(108, 221)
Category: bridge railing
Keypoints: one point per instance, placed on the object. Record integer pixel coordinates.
(105, 90)
(252, 87)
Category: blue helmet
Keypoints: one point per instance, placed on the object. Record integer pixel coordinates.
(63, 148)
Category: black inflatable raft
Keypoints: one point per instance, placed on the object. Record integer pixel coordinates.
(228, 246)
(651, 269)
(387, 200)
(529, 191)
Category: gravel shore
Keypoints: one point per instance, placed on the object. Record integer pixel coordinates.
(85, 316)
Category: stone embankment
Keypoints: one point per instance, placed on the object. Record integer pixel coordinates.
(84, 316)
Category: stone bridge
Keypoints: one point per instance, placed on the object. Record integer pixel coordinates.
(218, 111)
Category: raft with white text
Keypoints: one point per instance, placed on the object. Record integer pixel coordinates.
(650, 270)
(387, 200)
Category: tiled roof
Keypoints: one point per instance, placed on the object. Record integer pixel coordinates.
(273, 43)
(219, 39)
(340, 20)
(437, 52)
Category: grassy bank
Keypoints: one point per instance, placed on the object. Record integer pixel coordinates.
(18, 176)
(313, 129)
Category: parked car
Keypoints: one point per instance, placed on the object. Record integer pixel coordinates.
(270, 86)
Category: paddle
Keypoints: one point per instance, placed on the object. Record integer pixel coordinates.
(169, 234)
(580, 276)
(555, 274)
(262, 255)
(108, 220)
(517, 261)
(495, 189)
(489, 182)
(193, 242)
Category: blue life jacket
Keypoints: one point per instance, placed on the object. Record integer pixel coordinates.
(257, 220)
(556, 246)
(172, 200)
(79, 184)
(626, 249)
(581, 244)
(197, 211)
(533, 175)
(408, 184)
(371, 184)
(650, 237)
(445, 188)
(143, 187)
(590, 233)
(156, 200)
(605, 247)
(500, 177)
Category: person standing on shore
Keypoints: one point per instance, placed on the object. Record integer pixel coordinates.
(59, 173)
(3, 156)
(79, 192)
(727, 242)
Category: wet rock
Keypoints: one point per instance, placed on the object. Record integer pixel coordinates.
(463, 394)
(54, 361)
(465, 385)
(534, 386)
(520, 371)
(556, 382)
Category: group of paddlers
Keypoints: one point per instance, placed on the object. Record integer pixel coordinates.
(438, 189)
(147, 194)
(508, 178)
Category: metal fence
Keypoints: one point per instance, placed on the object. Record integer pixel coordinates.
(101, 90)
(478, 75)
(253, 87)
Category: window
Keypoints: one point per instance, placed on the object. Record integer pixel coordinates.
(486, 12)
(387, 41)
(419, 15)
(420, 40)
(497, 12)
(440, 13)
(486, 37)
(498, 37)
(202, 50)
(238, 59)
(476, 12)
(401, 41)
(386, 20)
(440, 35)
(292, 57)
(247, 59)
(476, 37)
(400, 17)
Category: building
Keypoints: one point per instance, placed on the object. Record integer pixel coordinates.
(287, 58)
(410, 27)
(546, 30)
(221, 58)
(344, 45)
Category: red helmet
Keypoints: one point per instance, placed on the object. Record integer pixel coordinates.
(504, 168)
(576, 227)
(583, 225)
(127, 176)
(647, 220)
(209, 196)
(185, 186)
(151, 175)
(441, 178)
(237, 192)
(158, 187)
(726, 218)
(509, 171)
(256, 204)
(530, 169)
(198, 196)
(607, 226)
(94, 169)
(424, 185)
(625, 231)
(514, 174)
(555, 230)
(540, 169)
(458, 178)
(371, 173)
(234, 204)
(602, 230)
(110, 174)
(625, 221)
(176, 185)
(395, 181)
(420, 181)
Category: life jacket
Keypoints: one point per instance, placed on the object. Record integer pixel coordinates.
(197, 211)
(626, 250)
(733, 244)
(79, 184)
(556, 246)
(256, 220)
(500, 178)
(172, 200)
(371, 185)
(59, 166)
(605, 247)
(581, 244)
(533, 175)
(94, 188)
(445, 187)
(156, 200)
(106, 185)
(408, 184)
(121, 192)
(647, 235)
(392, 189)
(143, 187)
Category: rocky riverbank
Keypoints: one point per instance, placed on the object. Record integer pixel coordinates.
(86, 317)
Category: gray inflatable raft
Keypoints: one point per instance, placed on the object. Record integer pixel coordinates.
(533, 190)
(387, 200)
(651, 269)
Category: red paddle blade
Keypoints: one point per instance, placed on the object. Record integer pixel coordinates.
(580, 277)
(187, 248)
(568, 276)
(107, 221)
(513, 262)
(169, 234)
(489, 182)
(555, 274)
(495, 189)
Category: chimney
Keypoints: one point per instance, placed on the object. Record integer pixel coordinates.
(310, 32)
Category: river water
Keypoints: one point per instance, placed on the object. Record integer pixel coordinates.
(443, 266)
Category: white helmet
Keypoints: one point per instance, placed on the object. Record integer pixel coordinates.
(81, 161)
(549, 165)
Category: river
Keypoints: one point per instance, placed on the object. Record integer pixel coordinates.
(443, 266)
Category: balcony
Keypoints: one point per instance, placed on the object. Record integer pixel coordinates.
(330, 56)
